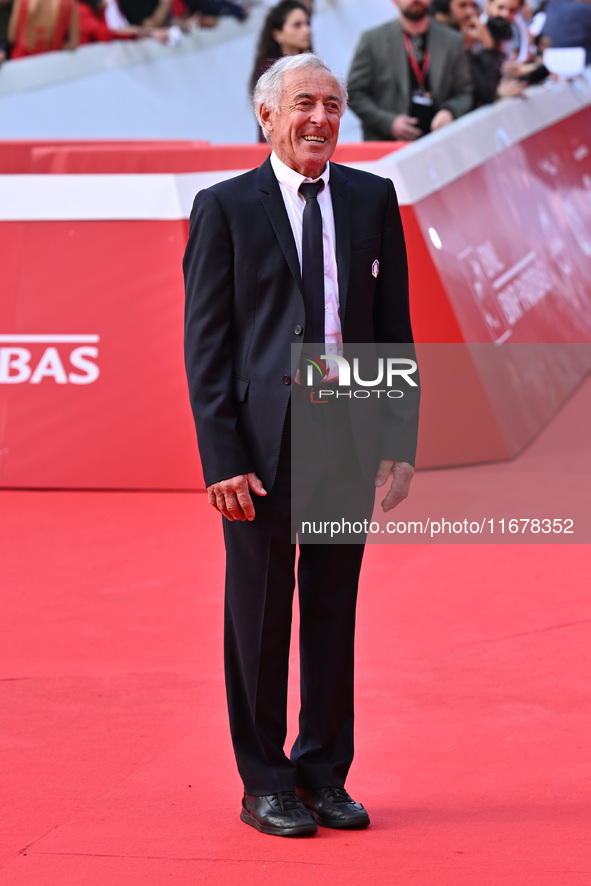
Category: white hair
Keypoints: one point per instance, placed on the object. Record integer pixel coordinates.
(269, 87)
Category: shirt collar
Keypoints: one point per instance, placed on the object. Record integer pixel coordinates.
(292, 179)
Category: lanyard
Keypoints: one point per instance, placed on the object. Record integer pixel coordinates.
(420, 73)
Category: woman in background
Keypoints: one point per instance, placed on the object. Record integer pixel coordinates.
(286, 31)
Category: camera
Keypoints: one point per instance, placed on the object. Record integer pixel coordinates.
(500, 29)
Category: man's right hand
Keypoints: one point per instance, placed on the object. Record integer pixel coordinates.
(232, 497)
(405, 128)
(475, 30)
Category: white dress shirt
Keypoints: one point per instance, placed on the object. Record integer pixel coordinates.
(289, 183)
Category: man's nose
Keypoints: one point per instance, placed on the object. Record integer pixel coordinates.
(319, 114)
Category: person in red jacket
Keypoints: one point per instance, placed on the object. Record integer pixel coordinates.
(93, 27)
(37, 26)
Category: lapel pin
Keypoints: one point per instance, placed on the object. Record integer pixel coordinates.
(375, 268)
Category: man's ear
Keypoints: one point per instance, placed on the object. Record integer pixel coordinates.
(265, 115)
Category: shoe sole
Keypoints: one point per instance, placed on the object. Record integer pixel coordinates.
(302, 830)
(345, 825)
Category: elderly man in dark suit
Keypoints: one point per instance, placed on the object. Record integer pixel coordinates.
(409, 76)
(249, 301)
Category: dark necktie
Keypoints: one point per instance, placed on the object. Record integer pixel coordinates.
(313, 262)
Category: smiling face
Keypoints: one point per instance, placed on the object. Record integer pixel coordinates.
(305, 130)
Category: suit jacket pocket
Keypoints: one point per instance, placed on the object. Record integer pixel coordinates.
(373, 243)
(240, 388)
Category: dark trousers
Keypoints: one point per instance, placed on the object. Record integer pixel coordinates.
(260, 581)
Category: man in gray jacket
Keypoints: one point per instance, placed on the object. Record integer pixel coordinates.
(409, 77)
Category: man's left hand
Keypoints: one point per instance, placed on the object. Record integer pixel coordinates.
(442, 118)
(402, 473)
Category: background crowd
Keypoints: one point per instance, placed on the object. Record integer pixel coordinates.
(29, 27)
(435, 61)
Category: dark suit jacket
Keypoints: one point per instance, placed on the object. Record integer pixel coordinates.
(379, 79)
(244, 309)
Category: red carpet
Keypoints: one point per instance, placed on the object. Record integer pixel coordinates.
(473, 699)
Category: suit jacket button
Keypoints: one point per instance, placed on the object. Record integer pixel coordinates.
(298, 330)
(286, 380)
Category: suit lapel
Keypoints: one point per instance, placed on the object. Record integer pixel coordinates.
(342, 225)
(275, 208)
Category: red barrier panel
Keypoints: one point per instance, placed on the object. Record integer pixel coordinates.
(511, 242)
(487, 402)
(517, 272)
(137, 157)
(94, 390)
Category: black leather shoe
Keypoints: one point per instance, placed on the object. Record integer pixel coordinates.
(282, 815)
(332, 807)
